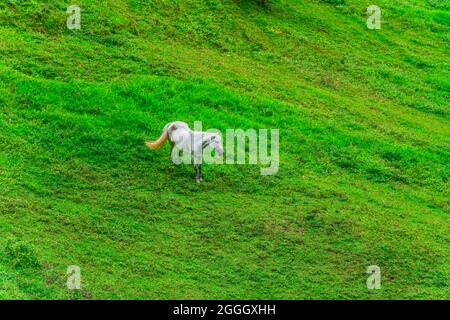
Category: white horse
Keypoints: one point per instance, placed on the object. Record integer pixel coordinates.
(189, 142)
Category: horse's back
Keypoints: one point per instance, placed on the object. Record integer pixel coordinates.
(172, 126)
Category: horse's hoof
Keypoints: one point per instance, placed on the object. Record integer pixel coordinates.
(199, 180)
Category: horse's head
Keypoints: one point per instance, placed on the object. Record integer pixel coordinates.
(216, 143)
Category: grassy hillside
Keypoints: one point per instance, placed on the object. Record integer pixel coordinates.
(364, 149)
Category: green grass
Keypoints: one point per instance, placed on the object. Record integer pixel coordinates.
(364, 150)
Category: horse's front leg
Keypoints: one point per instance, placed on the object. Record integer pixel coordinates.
(197, 172)
(200, 172)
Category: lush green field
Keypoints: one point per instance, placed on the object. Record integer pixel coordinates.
(364, 149)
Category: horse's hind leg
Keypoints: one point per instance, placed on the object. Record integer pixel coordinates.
(171, 148)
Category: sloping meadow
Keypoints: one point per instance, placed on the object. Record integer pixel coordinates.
(363, 172)
(80, 188)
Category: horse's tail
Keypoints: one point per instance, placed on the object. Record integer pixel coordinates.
(157, 143)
